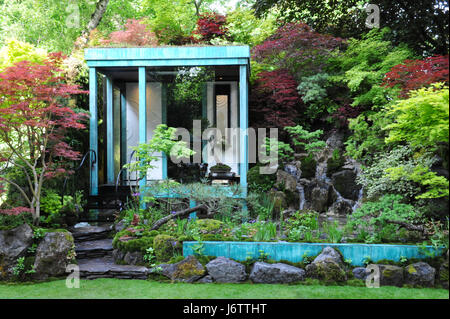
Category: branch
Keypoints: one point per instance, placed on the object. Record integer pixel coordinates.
(164, 220)
(25, 196)
(419, 228)
(92, 24)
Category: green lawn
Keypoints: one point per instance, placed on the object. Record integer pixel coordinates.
(136, 289)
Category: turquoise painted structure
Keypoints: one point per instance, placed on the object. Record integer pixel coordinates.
(294, 252)
(113, 63)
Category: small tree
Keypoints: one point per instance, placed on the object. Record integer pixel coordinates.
(33, 122)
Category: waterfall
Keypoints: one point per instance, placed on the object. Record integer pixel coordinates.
(301, 192)
(293, 171)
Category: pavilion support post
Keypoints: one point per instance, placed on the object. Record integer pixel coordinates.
(164, 121)
(243, 124)
(123, 129)
(93, 131)
(109, 132)
(142, 116)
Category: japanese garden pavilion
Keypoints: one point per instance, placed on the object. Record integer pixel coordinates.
(135, 100)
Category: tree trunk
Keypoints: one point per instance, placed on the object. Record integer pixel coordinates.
(92, 24)
(164, 220)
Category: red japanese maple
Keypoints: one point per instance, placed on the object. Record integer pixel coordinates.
(274, 100)
(135, 33)
(414, 74)
(34, 117)
(296, 47)
(211, 25)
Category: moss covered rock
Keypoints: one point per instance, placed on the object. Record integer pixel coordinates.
(420, 274)
(391, 275)
(187, 270)
(209, 226)
(164, 247)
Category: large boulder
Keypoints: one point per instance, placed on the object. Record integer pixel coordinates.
(443, 275)
(360, 273)
(288, 181)
(225, 270)
(420, 274)
(134, 258)
(187, 270)
(53, 254)
(14, 244)
(327, 266)
(391, 275)
(319, 199)
(275, 273)
(345, 183)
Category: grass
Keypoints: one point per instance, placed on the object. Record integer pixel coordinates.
(138, 289)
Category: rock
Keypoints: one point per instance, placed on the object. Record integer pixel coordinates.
(327, 266)
(275, 273)
(345, 183)
(205, 280)
(420, 274)
(288, 181)
(341, 207)
(225, 270)
(118, 255)
(360, 273)
(319, 199)
(106, 268)
(187, 270)
(120, 226)
(329, 254)
(134, 258)
(53, 254)
(443, 274)
(14, 244)
(391, 275)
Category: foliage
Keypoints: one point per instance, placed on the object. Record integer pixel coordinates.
(344, 113)
(163, 140)
(274, 100)
(335, 162)
(301, 225)
(372, 217)
(368, 135)
(307, 141)
(377, 181)
(173, 21)
(427, 109)
(364, 64)
(243, 27)
(211, 25)
(298, 49)
(415, 74)
(313, 90)
(134, 33)
(33, 122)
(309, 165)
(14, 217)
(14, 51)
(51, 203)
(284, 150)
(265, 231)
(422, 24)
(259, 183)
(333, 231)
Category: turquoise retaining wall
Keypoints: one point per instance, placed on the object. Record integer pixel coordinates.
(294, 252)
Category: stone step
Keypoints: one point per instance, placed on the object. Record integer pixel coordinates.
(90, 233)
(93, 248)
(106, 268)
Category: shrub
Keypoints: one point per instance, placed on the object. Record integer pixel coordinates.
(135, 33)
(260, 182)
(14, 217)
(372, 217)
(308, 166)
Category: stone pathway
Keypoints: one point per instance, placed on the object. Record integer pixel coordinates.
(94, 255)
